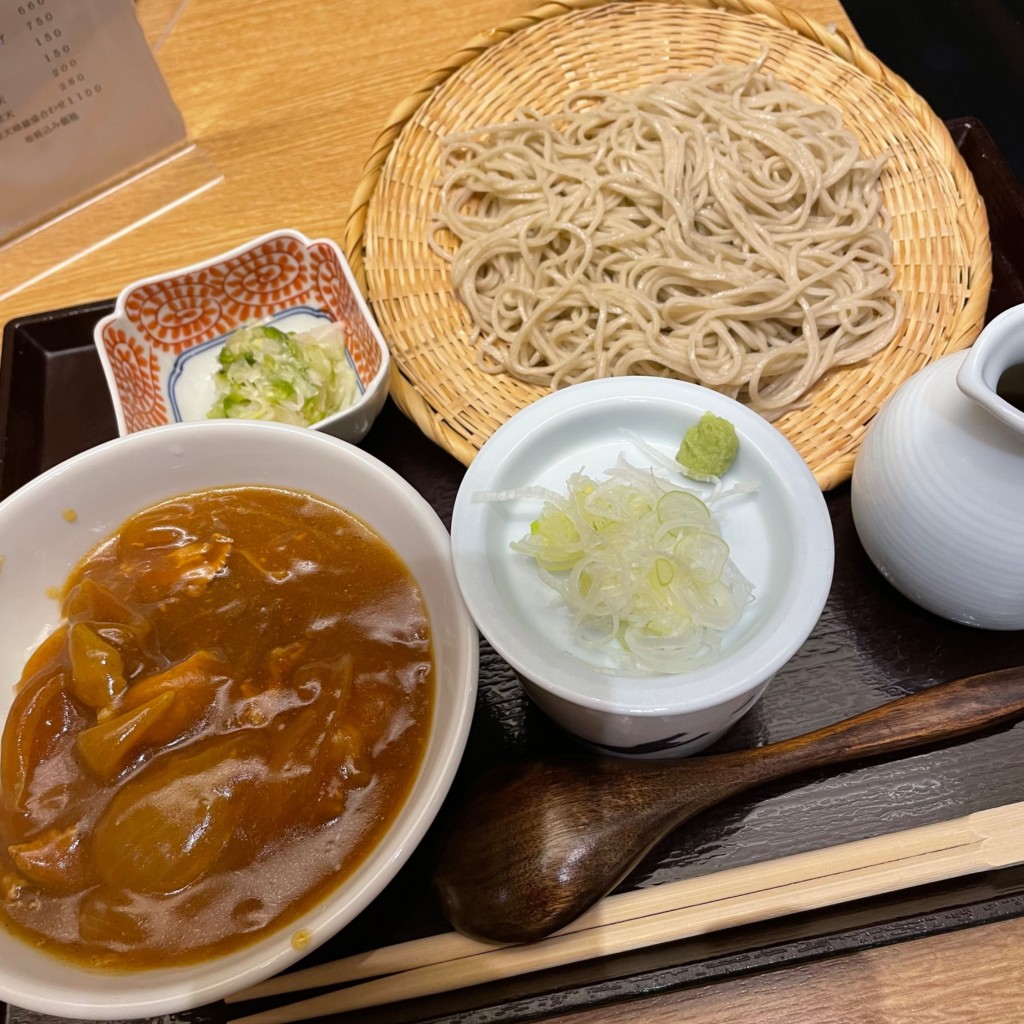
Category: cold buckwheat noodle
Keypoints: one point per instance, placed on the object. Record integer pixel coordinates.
(720, 227)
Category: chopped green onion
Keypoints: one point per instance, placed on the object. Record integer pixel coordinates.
(641, 565)
(294, 377)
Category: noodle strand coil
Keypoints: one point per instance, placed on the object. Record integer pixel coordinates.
(720, 227)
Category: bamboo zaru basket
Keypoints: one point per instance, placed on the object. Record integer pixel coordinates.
(942, 256)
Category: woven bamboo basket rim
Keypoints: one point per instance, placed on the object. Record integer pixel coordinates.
(947, 275)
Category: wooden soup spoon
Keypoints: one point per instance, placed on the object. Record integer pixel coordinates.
(539, 843)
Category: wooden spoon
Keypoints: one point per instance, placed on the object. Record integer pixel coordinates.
(538, 843)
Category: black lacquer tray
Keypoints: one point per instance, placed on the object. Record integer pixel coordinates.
(870, 646)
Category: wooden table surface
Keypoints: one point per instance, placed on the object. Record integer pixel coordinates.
(284, 100)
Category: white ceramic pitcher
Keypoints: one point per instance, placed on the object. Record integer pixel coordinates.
(938, 485)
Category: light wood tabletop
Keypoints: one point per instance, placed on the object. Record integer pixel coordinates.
(284, 100)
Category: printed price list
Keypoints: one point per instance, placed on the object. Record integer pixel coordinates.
(82, 102)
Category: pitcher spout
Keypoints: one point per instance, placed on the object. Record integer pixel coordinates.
(997, 353)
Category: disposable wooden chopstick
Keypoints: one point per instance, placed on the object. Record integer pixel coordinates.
(676, 910)
(403, 956)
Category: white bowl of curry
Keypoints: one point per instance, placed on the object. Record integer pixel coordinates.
(237, 680)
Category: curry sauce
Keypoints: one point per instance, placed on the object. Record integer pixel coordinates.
(226, 722)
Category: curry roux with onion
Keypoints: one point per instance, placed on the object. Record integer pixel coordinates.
(227, 721)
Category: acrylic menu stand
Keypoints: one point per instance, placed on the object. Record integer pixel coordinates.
(91, 142)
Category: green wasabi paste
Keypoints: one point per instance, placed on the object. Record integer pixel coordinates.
(708, 447)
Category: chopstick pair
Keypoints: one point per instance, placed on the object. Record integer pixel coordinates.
(675, 910)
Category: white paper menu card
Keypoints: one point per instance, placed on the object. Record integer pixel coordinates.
(82, 105)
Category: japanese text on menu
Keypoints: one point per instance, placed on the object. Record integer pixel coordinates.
(82, 104)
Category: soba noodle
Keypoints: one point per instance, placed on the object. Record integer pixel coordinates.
(719, 227)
